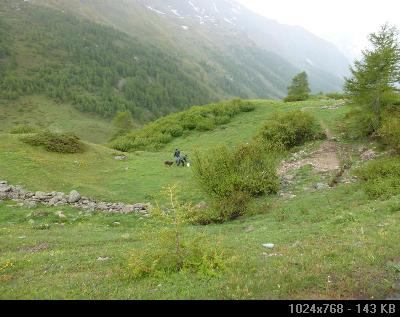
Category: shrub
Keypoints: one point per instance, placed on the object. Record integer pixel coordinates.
(380, 178)
(162, 131)
(335, 95)
(290, 129)
(56, 142)
(360, 123)
(390, 132)
(232, 177)
(169, 250)
(24, 129)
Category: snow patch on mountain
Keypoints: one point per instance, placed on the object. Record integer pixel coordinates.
(155, 10)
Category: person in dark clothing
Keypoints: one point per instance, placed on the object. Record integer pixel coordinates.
(177, 156)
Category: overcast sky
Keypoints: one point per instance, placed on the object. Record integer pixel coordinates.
(345, 23)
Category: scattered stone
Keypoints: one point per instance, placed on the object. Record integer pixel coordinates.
(121, 157)
(60, 214)
(74, 197)
(368, 155)
(31, 200)
(249, 229)
(103, 258)
(116, 223)
(37, 248)
(269, 245)
(320, 186)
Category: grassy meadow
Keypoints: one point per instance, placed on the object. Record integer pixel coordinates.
(332, 243)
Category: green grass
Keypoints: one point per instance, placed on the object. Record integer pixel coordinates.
(319, 243)
(335, 243)
(42, 112)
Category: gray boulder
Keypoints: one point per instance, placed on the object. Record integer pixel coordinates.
(74, 197)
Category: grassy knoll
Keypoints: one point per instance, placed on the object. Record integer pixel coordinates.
(43, 112)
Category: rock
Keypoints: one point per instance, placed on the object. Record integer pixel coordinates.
(320, 186)
(268, 245)
(74, 197)
(53, 201)
(121, 158)
(3, 183)
(103, 258)
(368, 155)
(60, 214)
(116, 223)
(3, 196)
(4, 188)
(40, 195)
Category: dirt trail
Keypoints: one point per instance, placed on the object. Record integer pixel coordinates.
(324, 159)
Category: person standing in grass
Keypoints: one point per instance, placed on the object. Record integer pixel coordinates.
(177, 156)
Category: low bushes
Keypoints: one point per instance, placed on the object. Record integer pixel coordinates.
(56, 142)
(24, 129)
(290, 129)
(390, 132)
(380, 178)
(162, 131)
(231, 178)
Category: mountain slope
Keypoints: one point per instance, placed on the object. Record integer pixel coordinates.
(198, 28)
(146, 56)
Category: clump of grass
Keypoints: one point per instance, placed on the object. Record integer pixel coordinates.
(24, 129)
(56, 142)
(231, 178)
(199, 118)
(380, 178)
(290, 129)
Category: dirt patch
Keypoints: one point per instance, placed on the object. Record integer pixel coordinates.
(324, 159)
(37, 248)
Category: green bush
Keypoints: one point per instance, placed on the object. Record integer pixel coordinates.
(335, 95)
(56, 142)
(380, 178)
(24, 129)
(162, 131)
(171, 249)
(159, 257)
(290, 129)
(390, 132)
(360, 123)
(232, 177)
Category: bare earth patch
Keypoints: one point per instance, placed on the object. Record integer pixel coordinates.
(324, 159)
(37, 248)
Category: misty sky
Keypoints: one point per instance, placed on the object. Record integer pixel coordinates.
(345, 23)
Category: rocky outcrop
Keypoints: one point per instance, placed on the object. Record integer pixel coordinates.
(74, 199)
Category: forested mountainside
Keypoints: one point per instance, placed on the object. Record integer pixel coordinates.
(107, 56)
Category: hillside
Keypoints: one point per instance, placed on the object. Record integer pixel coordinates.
(348, 234)
(103, 57)
(203, 30)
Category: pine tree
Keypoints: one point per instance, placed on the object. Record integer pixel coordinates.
(299, 89)
(372, 85)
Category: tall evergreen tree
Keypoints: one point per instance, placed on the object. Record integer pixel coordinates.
(299, 90)
(372, 85)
